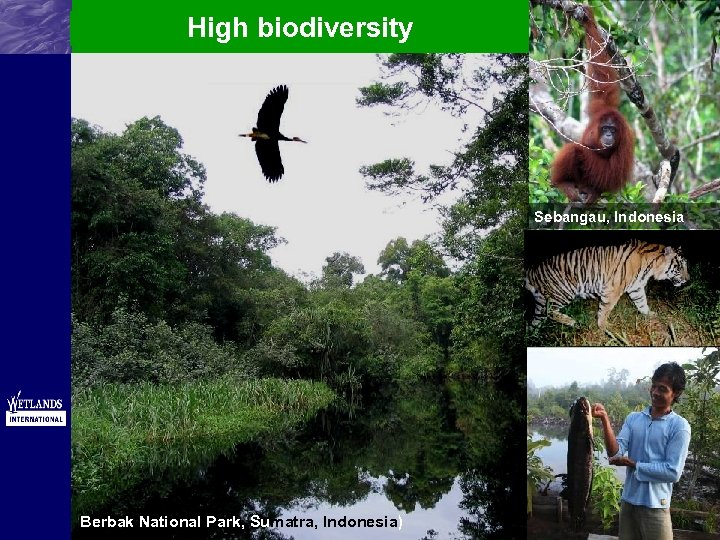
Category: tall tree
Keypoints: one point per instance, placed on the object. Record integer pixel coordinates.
(131, 194)
(339, 268)
(142, 238)
(483, 227)
(399, 258)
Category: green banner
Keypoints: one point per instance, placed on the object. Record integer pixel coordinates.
(232, 26)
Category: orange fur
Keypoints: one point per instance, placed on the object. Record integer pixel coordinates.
(585, 172)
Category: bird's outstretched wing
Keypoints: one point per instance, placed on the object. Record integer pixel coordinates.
(268, 120)
(268, 154)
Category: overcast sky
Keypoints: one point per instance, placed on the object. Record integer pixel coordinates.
(321, 204)
(549, 366)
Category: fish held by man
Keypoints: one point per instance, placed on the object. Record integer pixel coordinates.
(579, 461)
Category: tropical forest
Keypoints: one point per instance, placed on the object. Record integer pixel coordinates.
(208, 381)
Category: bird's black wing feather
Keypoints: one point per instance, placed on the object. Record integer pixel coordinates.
(272, 108)
(268, 154)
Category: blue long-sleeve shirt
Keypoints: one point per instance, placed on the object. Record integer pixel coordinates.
(659, 447)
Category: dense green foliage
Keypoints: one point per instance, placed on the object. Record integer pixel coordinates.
(700, 405)
(605, 494)
(483, 226)
(130, 348)
(157, 276)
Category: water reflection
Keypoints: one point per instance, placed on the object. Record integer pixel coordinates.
(443, 516)
(444, 459)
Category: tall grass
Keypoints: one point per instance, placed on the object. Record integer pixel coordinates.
(125, 434)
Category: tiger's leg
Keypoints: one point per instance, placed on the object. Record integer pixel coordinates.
(539, 304)
(553, 312)
(539, 308)
(538, 315)
(608, 300)
(639, 298)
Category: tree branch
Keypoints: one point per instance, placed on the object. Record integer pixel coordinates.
(663, 182)
(713, 135)
(542, 103)
(705, 189)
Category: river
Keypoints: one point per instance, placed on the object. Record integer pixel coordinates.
(435, 458)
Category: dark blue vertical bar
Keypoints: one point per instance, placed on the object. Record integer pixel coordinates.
(35, 278)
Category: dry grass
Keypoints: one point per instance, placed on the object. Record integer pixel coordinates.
(674, 325)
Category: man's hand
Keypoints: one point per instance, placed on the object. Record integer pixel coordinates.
(621, 461)
(598, 411)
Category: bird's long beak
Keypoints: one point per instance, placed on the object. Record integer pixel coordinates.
(298, 139)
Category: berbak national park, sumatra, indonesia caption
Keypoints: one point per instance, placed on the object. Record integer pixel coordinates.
(313, 27)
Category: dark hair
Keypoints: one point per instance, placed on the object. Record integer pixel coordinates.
(675, 374)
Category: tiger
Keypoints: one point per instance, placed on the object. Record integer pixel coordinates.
(604, 272)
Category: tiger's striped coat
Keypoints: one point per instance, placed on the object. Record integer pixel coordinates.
(604, 272)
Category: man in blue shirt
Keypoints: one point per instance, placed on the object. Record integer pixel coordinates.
(653, 445)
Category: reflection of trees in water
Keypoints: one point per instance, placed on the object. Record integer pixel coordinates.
(405, 437)
(559, 433)
(420, 439)
(426, 492)
(210, 494)
(493, 489)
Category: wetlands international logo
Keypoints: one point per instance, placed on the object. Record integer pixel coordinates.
(34, 412)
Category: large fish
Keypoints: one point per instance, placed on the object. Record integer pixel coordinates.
(579, 461)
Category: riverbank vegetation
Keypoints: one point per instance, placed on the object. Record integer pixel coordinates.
(618, 395)
(187, 338)
(124, 434)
